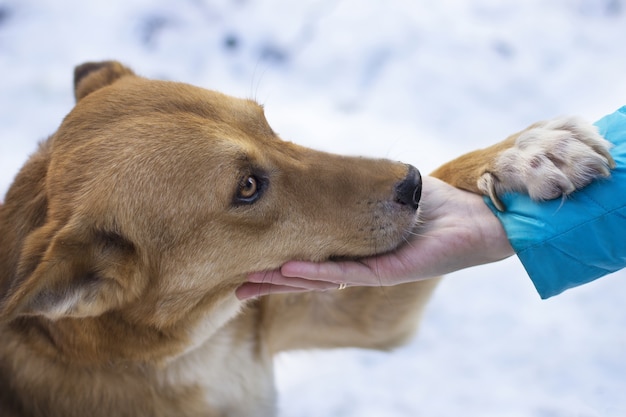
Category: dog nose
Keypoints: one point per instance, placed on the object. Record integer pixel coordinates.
(409, 190)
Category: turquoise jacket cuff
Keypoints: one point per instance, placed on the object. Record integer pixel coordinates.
(568, 242)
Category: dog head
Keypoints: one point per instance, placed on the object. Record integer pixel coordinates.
(162, 196)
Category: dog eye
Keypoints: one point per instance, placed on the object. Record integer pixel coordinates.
(248, 187)
(249, 190)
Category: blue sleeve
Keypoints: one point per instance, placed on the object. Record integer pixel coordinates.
(566, 243)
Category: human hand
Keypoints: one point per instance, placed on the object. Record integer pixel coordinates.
(458, 231)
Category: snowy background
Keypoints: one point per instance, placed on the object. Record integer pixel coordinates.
(417, 80)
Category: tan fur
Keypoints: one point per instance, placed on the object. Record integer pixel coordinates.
(122, 243)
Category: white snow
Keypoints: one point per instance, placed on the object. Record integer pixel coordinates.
(416, 80)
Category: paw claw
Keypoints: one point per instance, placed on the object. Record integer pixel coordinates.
(487, 184)
(496, 200)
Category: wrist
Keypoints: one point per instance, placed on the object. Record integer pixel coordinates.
(492, 234)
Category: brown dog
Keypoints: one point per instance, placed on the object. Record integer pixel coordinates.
(124, 237)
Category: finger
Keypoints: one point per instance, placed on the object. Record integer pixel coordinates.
(276, 278)
(264, 276)
(254, 290)
(354, 273)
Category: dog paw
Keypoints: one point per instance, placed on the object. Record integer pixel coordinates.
(549, 160)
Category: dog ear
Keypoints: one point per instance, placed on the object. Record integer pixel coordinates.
(67, 280)
(92, 76)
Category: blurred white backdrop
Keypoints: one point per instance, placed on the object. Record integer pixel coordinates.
(414, 80)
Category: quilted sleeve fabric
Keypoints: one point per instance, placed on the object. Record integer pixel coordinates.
(566, 243)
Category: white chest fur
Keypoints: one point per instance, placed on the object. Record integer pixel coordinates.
(234, 373)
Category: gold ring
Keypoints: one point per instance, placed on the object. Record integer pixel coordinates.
(342, 286)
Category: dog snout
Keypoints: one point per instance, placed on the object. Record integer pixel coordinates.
(409, 190)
